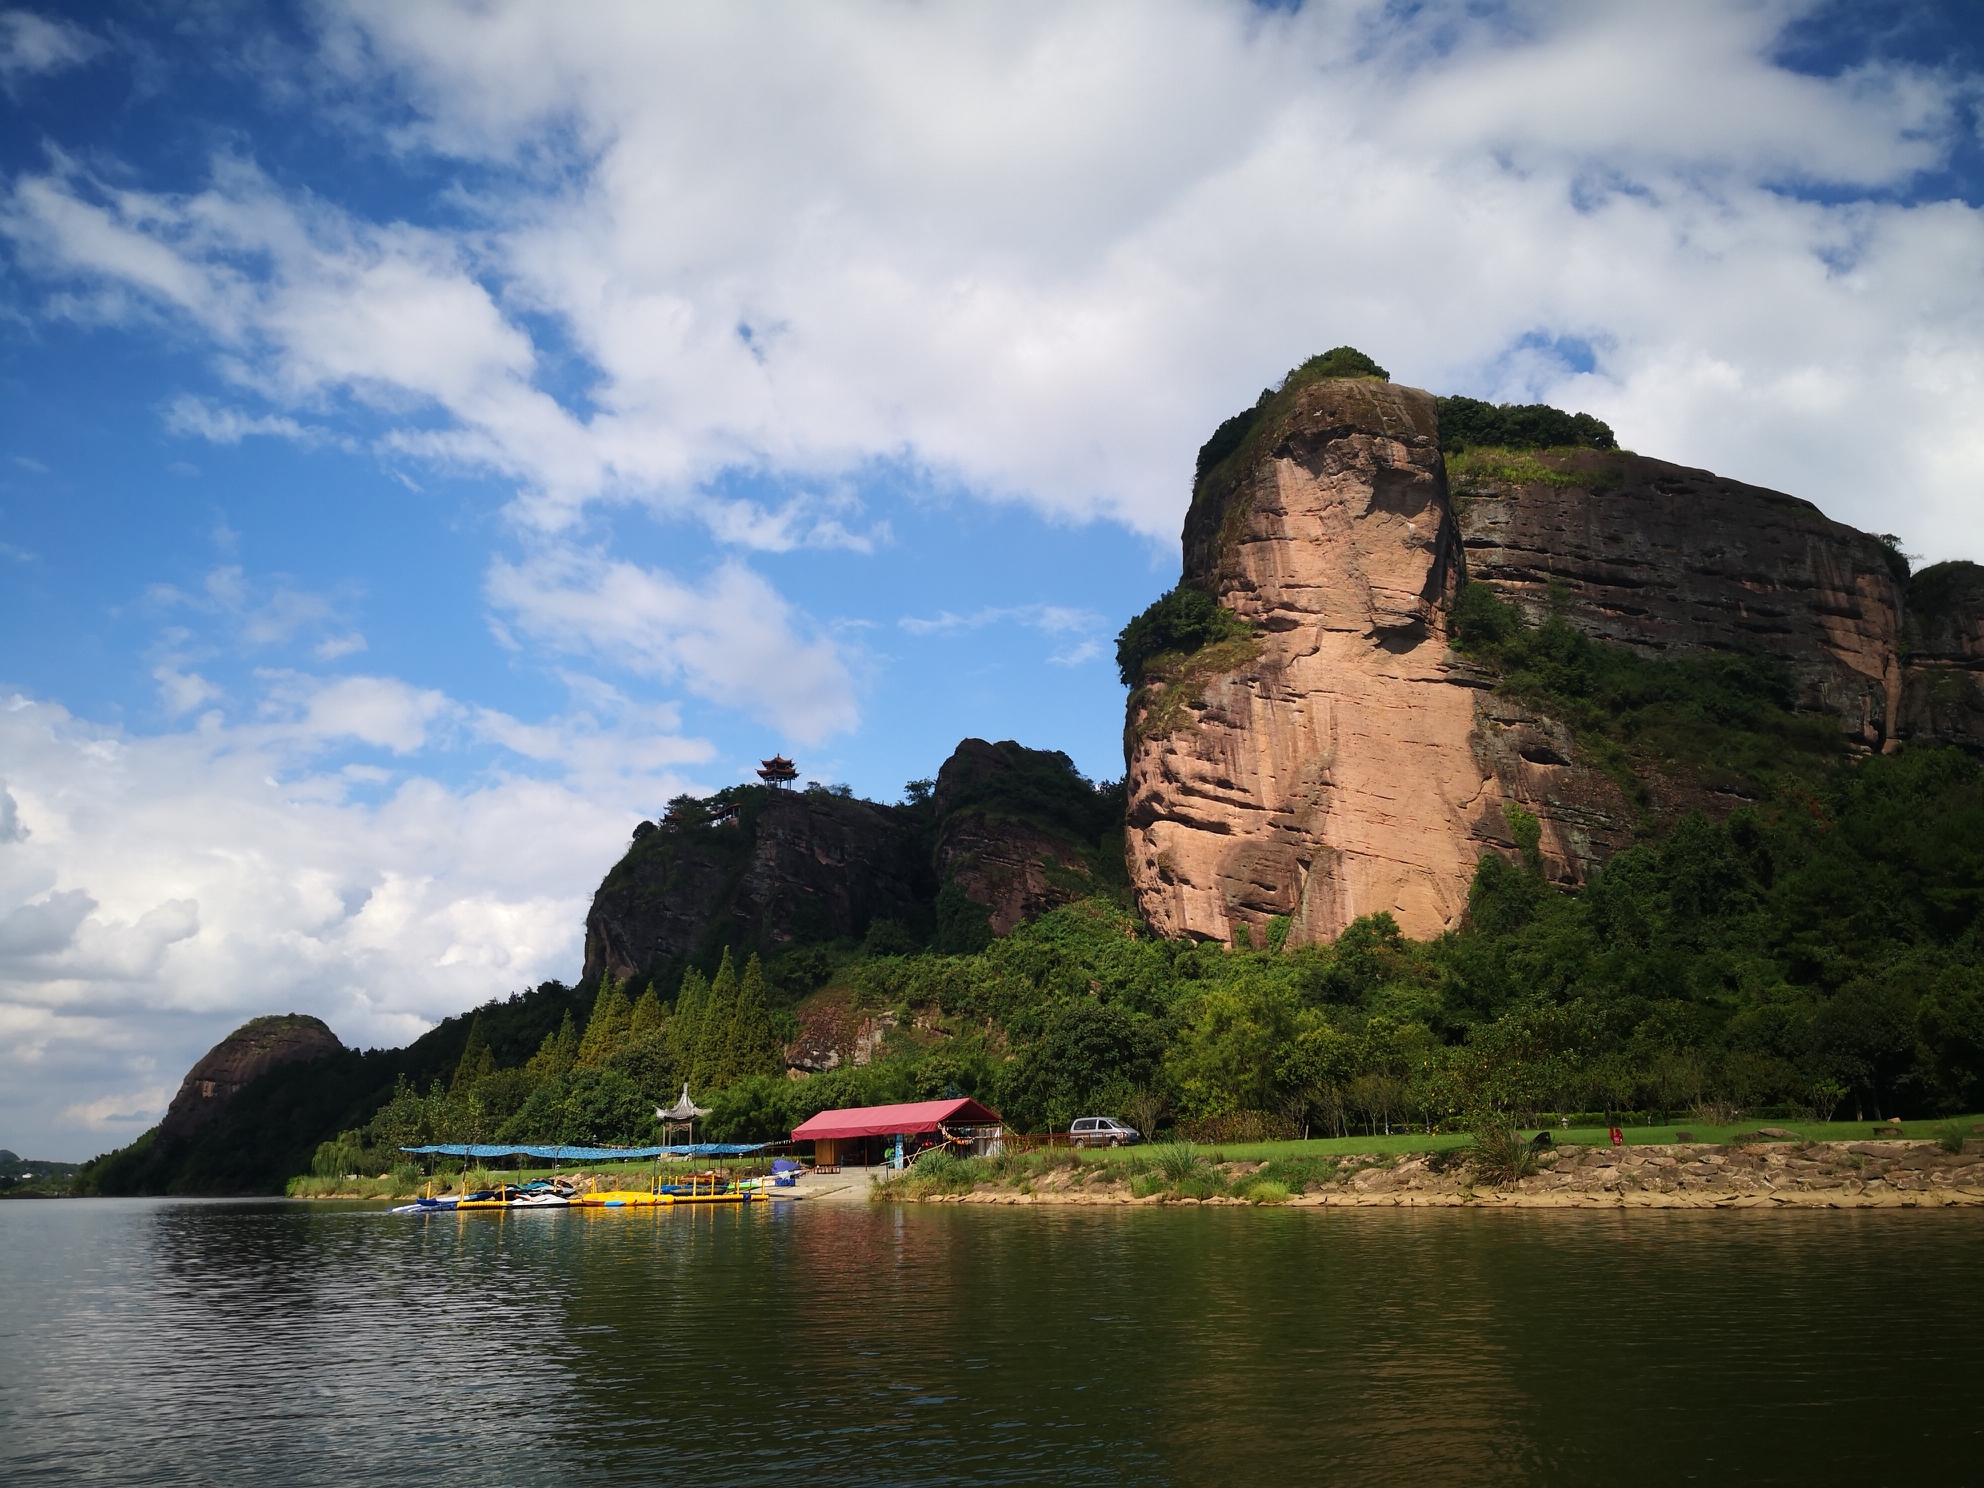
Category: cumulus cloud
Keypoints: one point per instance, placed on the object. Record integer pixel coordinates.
(173, 886)
(732, 638)
(1037, 251)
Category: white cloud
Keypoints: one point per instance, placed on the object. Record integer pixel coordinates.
(257, 612)
(31, 44)
(381, 711)
(173, 886)
(731, 639)
(182, 691)
(199, 418)
(335, 648)
(1038, 250)
(1054, 620)
(124, 1115)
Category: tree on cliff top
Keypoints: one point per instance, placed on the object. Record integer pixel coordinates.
(1338, 361)
(1466, 422)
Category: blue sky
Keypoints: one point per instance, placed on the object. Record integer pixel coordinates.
(435, 435)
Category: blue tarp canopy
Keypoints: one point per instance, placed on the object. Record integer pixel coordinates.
(589, 1154)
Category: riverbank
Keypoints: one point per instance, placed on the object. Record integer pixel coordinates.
(1785, 1174)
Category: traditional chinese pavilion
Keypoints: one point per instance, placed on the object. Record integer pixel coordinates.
(778, 770)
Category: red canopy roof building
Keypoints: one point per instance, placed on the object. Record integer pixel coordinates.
(861, 1134)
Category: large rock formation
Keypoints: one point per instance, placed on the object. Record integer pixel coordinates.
(782, 867)
(1331, 774)
(1016, 830)
(1669, 560)
(254, 1048)
(1348, 762)
(1019, 831)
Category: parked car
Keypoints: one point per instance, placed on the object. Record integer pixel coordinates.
(1102, 1131)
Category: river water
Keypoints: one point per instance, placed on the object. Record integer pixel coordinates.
(197, 1342)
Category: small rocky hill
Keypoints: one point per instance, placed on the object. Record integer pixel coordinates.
(253, 1049)
(1005, 834)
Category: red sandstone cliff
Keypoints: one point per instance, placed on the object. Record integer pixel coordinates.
(1330, 775)
(1347, 762)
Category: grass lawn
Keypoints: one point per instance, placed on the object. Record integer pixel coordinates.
(1590, 1136)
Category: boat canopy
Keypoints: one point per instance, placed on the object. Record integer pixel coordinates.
(888, 1121)
(589, 1154)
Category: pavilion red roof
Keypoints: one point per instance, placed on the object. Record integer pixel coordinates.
(886, 1121)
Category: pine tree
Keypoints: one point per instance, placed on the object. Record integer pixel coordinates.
(556, 1054)
(753, 1040)
(713, 1038)
(685, 1030)
(607, 1029)
(476, 1060)
(648, 1016)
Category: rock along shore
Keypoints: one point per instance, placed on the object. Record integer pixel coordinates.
(1819, 1175)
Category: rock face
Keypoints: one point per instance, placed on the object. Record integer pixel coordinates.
(1669, 560)
(1943, 678)
(1351, 763)
(1332, 775)
(787, 866)
(1015, 832)
(254, 1048)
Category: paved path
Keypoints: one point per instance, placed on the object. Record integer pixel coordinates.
(849, 1186)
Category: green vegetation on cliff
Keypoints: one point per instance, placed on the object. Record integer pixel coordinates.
(1178, 624)
(1232, 434)
(1467, 423)
(1722, 720)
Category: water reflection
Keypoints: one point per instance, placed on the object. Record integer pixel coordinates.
(161, 1342)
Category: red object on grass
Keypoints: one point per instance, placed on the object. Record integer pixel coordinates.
(887, 1121)
(1618, 1137)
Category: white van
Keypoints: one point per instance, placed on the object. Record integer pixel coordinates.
(1102, 1131)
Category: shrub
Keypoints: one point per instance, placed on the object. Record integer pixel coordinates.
(1298, 1174)
(1241, 1126)
(1265, 1191)
(1500, 1153)
(1202, 1185)
(1713, 1111)
(1180, 622)
(1949, 1135)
